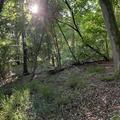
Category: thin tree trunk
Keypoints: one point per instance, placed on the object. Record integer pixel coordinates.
(36, 56)
(18, 48)
(67, 43)
(73, 43)
(25, 68)
(57, 49)
(49, 48)
(79, 33)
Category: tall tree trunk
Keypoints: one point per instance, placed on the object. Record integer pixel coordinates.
(58, 55)
(1, 5)
(74, 57)
(25, 55)
(25, 68)
(18, 48)
(112, 29)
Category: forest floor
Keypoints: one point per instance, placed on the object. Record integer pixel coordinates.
(88, 92)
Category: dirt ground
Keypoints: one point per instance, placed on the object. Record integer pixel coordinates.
(98, 100)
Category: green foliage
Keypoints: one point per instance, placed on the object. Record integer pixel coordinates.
(43, 97)
(88, 18)
(42, 36)
(34, 86)
(75, 82)
(115, 76)
(116, 118)
(63, 99)
(47, 92)
(31, 98)
(4, 60)
(95, 69)
(15, 107)
(107, 79)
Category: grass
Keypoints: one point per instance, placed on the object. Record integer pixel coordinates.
(47, 98)
(116, 117)
(15, 106)
(31, 100)
(36, 98)
(115, 76)
(76, 82)
(63, 99)
(95, 69)
(107, 79)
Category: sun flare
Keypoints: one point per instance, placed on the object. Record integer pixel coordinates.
(34, 9)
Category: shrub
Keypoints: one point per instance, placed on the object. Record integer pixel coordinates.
(47, 92)
(74, 81)
(95, 69)
(34, 86)
(4, 61)
(62, 99)
(116, 117)
(107, 79)
(15, 107)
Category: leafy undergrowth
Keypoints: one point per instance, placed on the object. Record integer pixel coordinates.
(84, 93)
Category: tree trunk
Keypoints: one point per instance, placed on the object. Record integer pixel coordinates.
(1, 5)
(25, 68)
(112, 29)
(17, 58)
(107, 45)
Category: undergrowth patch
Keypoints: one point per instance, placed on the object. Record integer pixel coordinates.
(95, 69)
(75, 81)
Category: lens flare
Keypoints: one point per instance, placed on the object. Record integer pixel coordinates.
(34, 9)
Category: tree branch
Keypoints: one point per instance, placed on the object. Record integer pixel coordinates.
(78, 31)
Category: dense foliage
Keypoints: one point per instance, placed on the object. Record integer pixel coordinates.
(39, 39)
(61, 32)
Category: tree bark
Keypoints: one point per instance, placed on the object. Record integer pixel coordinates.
(112, 29)
(25, 68)
(1, 5)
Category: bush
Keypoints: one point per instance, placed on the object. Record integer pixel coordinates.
(107, 79)
(15, 107)
(74, 81)
(45, 91)
(96, 69)
(43, 97)
(116, 117)
(63, 99)
(4, 61)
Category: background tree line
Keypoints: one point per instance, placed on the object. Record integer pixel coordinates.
(67, 31)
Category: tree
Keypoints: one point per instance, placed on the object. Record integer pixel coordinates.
(25, 53)
(112, 29)
(1, 5)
